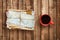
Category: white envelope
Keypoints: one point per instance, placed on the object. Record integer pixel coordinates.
(20, 19)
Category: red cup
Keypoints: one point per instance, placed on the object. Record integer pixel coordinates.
(45, 20)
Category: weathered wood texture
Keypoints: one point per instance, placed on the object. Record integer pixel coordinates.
(1, 19)
(13, 34)
(47, 7)
(58, 19)
(50, 7)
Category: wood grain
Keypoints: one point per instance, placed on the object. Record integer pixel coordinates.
(45, 31)
(51, 15)
(28, 35)
(20, 5)
(1, 19)
(40, 32)
(20, 35)
(58, 19)
(11, 34)
(15, 34)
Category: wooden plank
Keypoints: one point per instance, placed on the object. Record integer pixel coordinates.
(4, 36)
(37, 7)
(14, 4)
(44, 7)
(24, 34)
(51, 15)
(28, 35)
(54, 19)
(24, 4)
(15, 34)
(32, 35)
(38, 27)
(11, 35)
(20, 4)
(32, 4)
(8, 34)
(27, 3)
(20, 35)
(44, 35)
(1, 19)
(4, 28)
(4, 11)
(35, 31)
(8, 4)
(58, 20)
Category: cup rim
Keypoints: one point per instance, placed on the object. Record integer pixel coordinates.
(43, 23)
